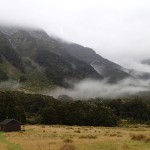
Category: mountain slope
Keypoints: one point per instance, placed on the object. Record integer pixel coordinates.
(34, 58)
(7, 51)
(103, 66)
(38, 58)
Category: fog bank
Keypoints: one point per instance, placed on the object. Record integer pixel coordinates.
(93, 88)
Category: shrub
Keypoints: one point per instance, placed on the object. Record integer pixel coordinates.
(138, 137)
(147, 140)
(67, 140)
(77, 131)
(67, 147)
(88, 137)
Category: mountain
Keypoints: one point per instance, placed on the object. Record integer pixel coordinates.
(9, 58)
(36, 59)
(110, 70)
(31, 56)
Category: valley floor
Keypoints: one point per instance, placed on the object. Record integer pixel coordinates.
(44, 137)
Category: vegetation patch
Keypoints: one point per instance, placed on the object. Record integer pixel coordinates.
(9, 145)
(77, 131)
(140, 137)
(67, 147)
(67, 140)
(88, 137)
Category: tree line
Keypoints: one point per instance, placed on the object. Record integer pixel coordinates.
(41, 109)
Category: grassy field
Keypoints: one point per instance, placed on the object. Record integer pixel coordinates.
(5, 144)
(38, 137)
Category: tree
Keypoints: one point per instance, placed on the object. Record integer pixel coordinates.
(49, 115)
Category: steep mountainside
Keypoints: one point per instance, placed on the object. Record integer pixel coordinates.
(32, 56)
(106, 68)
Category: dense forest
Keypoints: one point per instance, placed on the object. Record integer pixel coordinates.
(41, 109)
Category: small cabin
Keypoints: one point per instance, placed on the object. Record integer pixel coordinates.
(9, 125)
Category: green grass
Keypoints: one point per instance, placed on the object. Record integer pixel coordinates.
(10, 146)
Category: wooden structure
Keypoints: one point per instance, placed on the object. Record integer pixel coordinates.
(9, 125)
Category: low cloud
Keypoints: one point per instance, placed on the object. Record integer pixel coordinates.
(116, 29)
(138, 66)
(88, 88)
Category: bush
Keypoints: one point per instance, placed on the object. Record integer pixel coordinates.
(67, 140)
(138, 137)
(67, 147)
(88, 137)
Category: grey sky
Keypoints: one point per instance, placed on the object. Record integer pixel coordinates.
(117, 29)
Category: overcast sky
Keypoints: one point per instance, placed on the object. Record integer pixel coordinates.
(117, 29)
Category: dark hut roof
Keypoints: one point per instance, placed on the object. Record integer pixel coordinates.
(7, 121)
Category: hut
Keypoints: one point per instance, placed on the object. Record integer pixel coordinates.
(9, 125)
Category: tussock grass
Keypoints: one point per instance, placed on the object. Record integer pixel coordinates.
(113, 134)
(67, 147)
(88, 137)
(77, 131)
(140, 137)
(43, 126)
(147, 140)
(69, 128)
(67, 140)
(58, 137)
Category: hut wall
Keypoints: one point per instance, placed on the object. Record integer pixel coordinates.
(12, 126)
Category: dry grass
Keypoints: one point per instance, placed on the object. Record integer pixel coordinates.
(3, 147)
(88, 137)
(68, 140)
(140, 137)
(37, 137)
(67, 147)
(77, 131)
(147, 140)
